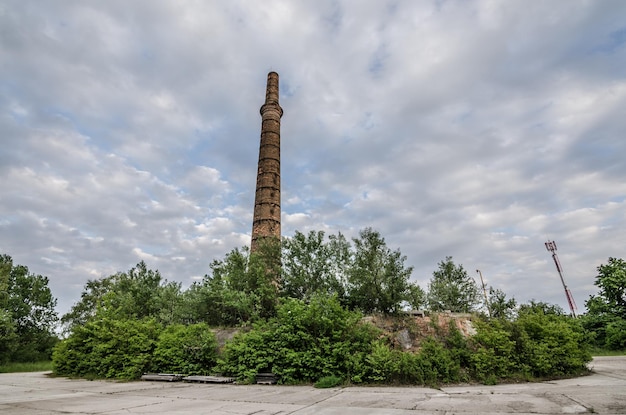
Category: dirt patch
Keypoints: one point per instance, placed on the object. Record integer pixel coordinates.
(224, 335)
(408, 332)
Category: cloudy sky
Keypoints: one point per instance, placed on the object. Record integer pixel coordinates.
(472, 129)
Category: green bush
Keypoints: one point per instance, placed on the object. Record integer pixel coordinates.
(107, 348)
(409, 368)
(319, 339)
(616, 335)
(184, 349)
(438, 363)
(549, 345)
(493, 354)
(304, 342)
(541, 342)
(434, 364)
(382, 362)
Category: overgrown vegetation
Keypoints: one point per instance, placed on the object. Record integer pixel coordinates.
(303, 343)
(328, 382)
(301, 316)
(606, 316)
(452, 289)
(18, 367)
(319, 340)
(27, 316)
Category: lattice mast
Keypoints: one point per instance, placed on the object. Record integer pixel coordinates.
(266, 218)
(482, 282)
(551, 246)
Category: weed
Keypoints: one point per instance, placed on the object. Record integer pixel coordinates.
(26, 367)
(328, 382)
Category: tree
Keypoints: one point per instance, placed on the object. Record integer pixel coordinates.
(452, 289)
(240, 288)
(8, 337)
(27, 316)
(499, 306)
(540, 307)
(611, 299)
(416, 297)
(378, 279)
(136, 294)
(90, 301)
(312, 265)
(606, 311)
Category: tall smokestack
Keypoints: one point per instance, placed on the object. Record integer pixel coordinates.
(266, 219)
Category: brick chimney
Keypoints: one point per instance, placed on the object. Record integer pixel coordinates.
(266, 219)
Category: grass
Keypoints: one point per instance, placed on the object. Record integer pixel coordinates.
(26, 367)
(604, 352)
(328, 382)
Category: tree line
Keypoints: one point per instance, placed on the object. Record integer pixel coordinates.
(364, 275)
(303, 298)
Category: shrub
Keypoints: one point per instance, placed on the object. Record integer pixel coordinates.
(304, 342)
(493, 352)
(328, 382)
(548, 345)
(383, 363)
(188, 349)
(434, 364)
(410, 369)
(107, 348)
(438, 363)
(616, 335)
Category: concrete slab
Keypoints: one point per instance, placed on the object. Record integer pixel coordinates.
(603, 392)
(207, 379)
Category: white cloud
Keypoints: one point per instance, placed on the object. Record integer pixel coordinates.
(472, 129)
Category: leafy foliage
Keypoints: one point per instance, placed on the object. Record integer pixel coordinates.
(312, 265)
(303, 322)
(536, 345)
(27, 316)
(437, 362)
(493, 351)
(305, 341)
(328, 382)
(185, 349)
(615, 335)
(244, 287)
(452, 289)
(366, 276)
(378, 280)
(611, 281)
(549, 343)
(541, 342)
(606, 315)
(108, 348)
(137, 294)
(240, 288)
(499, 306)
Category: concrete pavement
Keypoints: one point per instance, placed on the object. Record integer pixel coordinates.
(604, 392)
